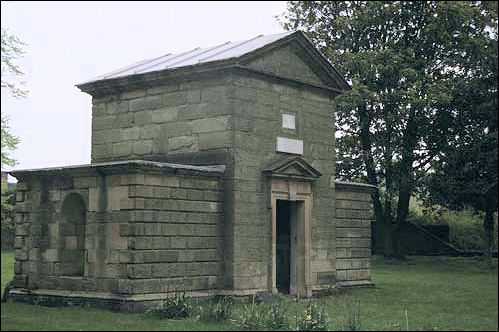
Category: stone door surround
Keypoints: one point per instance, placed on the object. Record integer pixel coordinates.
(291, 179)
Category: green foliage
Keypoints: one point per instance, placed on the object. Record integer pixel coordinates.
(313, 318)
(7, 207)
(417, 69)
(353, 322)
(216, 310)
(466, 230)
(263, 315)
(277, 316)
(176, 306)
(11, 51)
(8, 143)
(253, 316)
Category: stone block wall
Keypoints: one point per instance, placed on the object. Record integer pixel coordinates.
(173, 118)
(354, 214)
(144, 231)
(175, 240)
(239, 116)
(259, 105)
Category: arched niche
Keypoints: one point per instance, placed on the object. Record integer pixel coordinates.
(71, 247)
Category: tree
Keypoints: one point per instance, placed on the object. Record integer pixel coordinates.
(11, 51)
(11, 48)
(403, 59)
(466, 174)
(9, 143)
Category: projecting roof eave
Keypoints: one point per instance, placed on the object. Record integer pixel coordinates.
(122, 167)
(130, 82)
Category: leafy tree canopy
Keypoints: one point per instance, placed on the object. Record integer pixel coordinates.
(405, 61)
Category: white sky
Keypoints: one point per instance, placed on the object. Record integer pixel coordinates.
(72, 42)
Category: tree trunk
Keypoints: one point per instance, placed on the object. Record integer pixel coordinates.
(366, 144)
(406, 180)
(390, 235)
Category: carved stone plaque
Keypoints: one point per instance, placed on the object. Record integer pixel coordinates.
(289, 145)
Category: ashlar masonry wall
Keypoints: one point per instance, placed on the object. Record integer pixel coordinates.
(175, 241)
(148, 228)
(354, 214)
(176, 117)
(260, 103)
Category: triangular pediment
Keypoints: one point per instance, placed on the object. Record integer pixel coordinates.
(285, 62)
(292, 167)
(295, 57)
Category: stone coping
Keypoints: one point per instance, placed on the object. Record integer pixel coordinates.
(356, 186)
(125, 166)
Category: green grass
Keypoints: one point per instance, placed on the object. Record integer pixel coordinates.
(7, 268)
(438, 293)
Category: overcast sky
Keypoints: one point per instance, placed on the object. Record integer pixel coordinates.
(72, 42)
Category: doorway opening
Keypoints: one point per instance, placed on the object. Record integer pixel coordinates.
(286, 246)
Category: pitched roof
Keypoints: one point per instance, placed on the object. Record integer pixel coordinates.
(225, 51)
(198, 55)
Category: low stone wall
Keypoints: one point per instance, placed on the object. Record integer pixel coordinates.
(146, 227)
(176, 237)
(354, 214)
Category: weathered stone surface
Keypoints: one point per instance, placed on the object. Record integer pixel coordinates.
(215, 140)
(164, 115)
(182, 144)
(142, 147)
(146, 103)
(122, 149)
(175, 98)
(210, 124)
(133, 94)
(116, 107)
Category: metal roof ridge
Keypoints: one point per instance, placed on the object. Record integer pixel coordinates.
(175, 57)
(195, 55)
(230, 48)
(170, 60)
(104, 76)
(137, 64)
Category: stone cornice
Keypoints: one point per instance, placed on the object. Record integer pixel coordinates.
(123, 167)
(355, 186)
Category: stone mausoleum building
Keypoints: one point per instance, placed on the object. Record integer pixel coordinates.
(212, 172)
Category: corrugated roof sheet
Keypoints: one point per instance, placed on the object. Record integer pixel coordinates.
(198, 55)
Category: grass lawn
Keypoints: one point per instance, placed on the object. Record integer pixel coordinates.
(436, 293)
